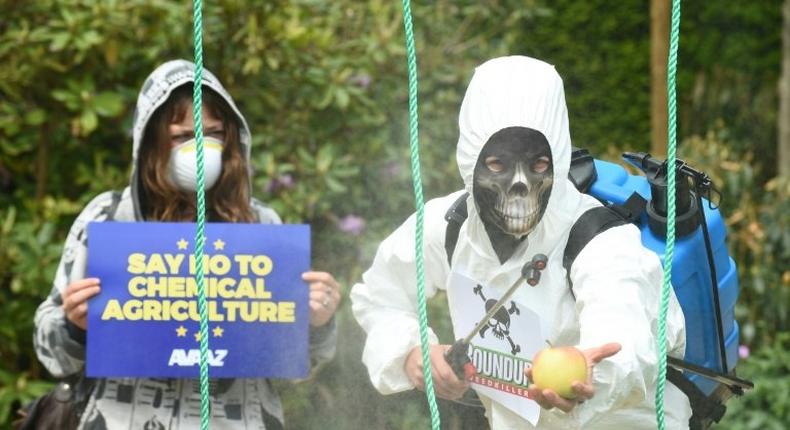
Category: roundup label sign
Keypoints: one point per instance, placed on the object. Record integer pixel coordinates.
(499, 371)
(145, 320)
(503, 348)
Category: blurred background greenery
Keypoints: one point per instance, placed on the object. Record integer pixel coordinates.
(323, 86)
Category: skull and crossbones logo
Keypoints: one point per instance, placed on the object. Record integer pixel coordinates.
(499, 324)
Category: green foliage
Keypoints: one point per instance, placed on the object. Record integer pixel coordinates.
(757, 216)
(728, 66)
(17, 387)
(603, 54)
(767, 407)
(29, 253)
(728, 69)
(323, 86)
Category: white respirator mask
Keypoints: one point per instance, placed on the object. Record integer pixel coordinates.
(183, 164)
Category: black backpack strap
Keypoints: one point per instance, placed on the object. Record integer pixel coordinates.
(592, 223)
(596, 221)
(455, 218)
(704, 409)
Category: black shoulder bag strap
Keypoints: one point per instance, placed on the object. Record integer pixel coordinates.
(455, 217)
(596, 221)
(590, 224)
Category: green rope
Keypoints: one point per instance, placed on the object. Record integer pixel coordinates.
(200, 237)
(418, 239)
(668, 254)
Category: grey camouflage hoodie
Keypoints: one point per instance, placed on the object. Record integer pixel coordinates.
(132, 403)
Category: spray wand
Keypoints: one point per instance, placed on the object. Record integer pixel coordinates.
(458, 354)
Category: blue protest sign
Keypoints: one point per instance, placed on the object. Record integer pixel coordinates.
(145, 321)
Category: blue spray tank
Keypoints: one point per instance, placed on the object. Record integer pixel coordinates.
(700, 255)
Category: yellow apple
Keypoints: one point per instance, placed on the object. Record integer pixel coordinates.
(558, 368)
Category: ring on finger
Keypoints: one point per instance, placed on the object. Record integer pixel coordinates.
(326, 301)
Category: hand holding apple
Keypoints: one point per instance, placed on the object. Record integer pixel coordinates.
(562, 377)
(558, 368)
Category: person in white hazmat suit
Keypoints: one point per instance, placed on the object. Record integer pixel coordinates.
(514, 155)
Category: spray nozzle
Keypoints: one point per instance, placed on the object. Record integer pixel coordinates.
(644, 162)
(655, 171)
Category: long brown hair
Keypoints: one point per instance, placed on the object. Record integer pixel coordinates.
(228, 200)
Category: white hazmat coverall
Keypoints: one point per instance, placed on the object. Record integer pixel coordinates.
(616, 281)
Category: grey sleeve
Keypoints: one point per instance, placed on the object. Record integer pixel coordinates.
(60, 354)
(264, 213)
(323, 343)
(60, 351)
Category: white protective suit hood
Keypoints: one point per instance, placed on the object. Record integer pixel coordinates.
(155, 91)
(519, 91)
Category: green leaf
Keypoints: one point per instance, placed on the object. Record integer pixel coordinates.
(8, 223)
(61, 95)
(88, 122)
(342, 98)
(67, 97)
(36, 117)
(324, 159)
(108, 103)
(17, 146)
(59, 41)
(91, 37)
(335, 185)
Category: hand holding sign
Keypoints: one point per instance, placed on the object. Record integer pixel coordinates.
(75, 300)
(324, 297)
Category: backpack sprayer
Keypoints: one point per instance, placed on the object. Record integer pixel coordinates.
(691, 215)
(704, 276)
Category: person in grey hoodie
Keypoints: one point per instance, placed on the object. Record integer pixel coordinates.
(163, 182)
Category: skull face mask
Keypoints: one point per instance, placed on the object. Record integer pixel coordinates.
(513, 179)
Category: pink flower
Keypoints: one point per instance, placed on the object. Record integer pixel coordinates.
(284, 182)
(361, 80)
(392, 169)
(743, 351)
(352, 224)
